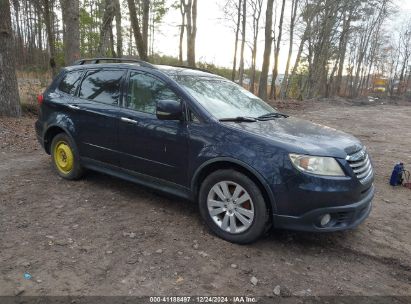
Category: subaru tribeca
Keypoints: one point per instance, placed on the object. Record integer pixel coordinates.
(198, 136)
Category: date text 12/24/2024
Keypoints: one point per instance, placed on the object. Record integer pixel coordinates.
(205, 299)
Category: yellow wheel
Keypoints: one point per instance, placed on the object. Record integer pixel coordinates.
(65, 157)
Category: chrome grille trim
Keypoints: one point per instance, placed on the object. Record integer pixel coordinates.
(362, 168)
(360, 176)
(361, 165)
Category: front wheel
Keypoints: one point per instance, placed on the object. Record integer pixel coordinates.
(233, 206)
(65, 157)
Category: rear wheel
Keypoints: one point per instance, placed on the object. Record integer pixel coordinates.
(233, 206)
(65, 157)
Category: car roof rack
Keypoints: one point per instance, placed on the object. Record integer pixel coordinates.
(192, 68)
(115, 60)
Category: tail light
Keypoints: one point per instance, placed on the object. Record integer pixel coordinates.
(40, 99)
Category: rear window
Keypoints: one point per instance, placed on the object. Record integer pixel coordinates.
(70, 82)
(102, 86)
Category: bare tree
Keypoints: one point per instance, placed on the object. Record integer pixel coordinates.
(106, 27)
(256, 8)
(9, 93)
(119, 30)
(370, 26)
(284, 84)
(273, 91)
(50, 37)
(243, 37)
(190, 8)
(348, 16)
(71, 32)
(141, 40)
(182, 29)
(146, 19)
(232, 12)
(405, 38)
(262, 89)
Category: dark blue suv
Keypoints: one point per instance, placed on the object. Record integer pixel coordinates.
(199, 136)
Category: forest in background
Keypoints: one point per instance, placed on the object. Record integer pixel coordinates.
(334, 47)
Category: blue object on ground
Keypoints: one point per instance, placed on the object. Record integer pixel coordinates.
(397, 175)
(27, 276)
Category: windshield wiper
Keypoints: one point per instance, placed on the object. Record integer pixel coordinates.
(272, 115)
(239, 119)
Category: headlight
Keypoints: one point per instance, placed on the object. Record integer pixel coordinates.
(317, 165)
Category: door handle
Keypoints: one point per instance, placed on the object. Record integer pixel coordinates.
(128, 120)
(74, 107)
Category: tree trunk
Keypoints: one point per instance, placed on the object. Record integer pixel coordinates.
(284, 84)
(182, 29)
(342, 51)
(256, 6)
(71, 32)
(253, 66)
(19, 44)
(138, 36)
(106, 28)
(403, 68)
(119, 31)
(237, 32)
(146, 19)
(273, 91)
(9, 92)
(243, 35)
(262, 90)
(191, 14)
(50, 38)
(298, 57)
(373, 27)
(112, 49)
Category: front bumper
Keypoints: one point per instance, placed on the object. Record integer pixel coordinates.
(342, 217)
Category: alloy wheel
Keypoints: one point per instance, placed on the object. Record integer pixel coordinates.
(231, 207)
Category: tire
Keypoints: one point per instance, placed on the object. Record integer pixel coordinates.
(252, 221)
(65, 157)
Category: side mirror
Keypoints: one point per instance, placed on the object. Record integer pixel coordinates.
(169, 110)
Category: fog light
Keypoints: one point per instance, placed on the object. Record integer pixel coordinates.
(325, 220)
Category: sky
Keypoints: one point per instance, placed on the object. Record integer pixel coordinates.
(215, 38)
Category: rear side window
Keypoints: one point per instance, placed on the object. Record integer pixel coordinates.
(102, 86)
(145, 91)
(70, 82)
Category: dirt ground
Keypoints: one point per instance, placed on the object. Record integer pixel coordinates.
(105, 236)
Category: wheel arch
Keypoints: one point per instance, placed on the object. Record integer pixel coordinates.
(228, 163)
(50, 133)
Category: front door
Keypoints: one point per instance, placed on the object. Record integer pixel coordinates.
(148, 145)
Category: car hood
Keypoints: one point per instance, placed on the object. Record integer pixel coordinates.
(301, 136)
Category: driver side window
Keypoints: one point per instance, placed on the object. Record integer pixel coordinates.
(145, 91)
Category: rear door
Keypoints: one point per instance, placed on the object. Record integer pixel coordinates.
(148, 145)
(97, 105)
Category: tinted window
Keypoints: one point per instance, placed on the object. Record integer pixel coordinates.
(102, 86)
(70, 82)
(144, 92)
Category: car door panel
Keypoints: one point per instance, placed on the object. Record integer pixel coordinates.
(98, 131)
(98, 117)
(151, 146)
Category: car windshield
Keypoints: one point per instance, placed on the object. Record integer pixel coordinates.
(223, 98)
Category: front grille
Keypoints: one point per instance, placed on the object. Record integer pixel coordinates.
(361, 165)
